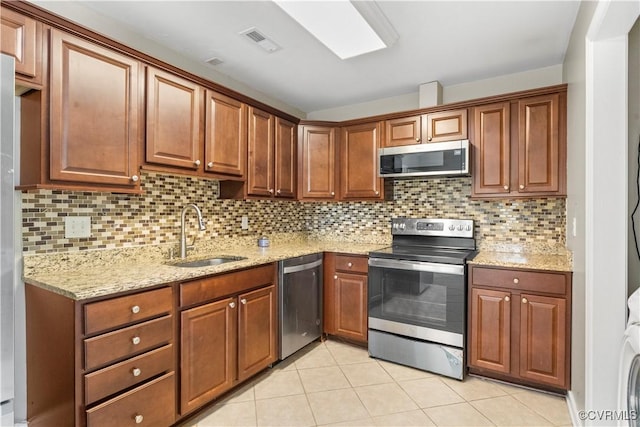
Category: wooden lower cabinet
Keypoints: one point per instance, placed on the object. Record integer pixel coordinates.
(229, 335)
(519, 325)
(100, 363)
(345, 296)
(207, 352)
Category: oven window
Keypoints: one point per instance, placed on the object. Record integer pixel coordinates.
(633, 392)
(434, 300)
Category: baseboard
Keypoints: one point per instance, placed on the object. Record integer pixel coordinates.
(573, 410)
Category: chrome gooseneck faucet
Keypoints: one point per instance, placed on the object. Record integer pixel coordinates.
(183, 235)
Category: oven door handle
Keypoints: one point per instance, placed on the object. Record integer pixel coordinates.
(417, 266)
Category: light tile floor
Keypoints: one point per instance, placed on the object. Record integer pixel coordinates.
(337, 384)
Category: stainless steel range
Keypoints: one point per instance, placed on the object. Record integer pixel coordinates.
(417, 295)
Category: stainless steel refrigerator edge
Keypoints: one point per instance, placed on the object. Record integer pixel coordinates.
(300, 302)
(7, 239)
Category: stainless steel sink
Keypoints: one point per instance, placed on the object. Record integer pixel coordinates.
(208, 261)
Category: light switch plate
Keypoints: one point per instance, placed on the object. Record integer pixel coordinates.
(77, 227)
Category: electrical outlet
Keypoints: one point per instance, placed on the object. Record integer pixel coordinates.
(244, 222)
(77, 226)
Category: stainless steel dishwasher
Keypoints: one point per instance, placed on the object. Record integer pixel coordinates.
(300, 302)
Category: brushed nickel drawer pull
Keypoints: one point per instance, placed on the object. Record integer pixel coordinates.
(135, 340)
(135, 309)
(138, 418)
(136, 372)
(349, 264)
(516, 280)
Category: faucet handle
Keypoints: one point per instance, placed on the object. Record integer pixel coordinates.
(202, 222)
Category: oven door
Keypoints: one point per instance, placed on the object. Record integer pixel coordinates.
(418, 299)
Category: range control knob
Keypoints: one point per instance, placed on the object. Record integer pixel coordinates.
(403, 226)
(452, 227)
(460, 227)
(468, 228)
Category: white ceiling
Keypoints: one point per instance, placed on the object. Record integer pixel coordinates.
(449, 41)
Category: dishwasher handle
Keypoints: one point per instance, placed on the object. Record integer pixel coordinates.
(303, 267)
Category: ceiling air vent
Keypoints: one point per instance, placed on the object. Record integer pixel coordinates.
(214, 61)
(255, 36)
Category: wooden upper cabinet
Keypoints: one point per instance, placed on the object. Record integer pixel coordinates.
(21, 37)
(225, 135)
(94, 113)
(359, 162)
(271, 156)
(285, 158)
(445, 126)
(403, 131)
(317, 167)
(174, 107)
(432, 127)
(260, 178)
(538, 144)
(520, 147)
(491, 144)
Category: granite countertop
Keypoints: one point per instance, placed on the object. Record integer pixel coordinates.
(109, 272)
(561, 261)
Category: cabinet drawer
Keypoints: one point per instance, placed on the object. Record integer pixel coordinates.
(352, 264)
(120, 376)
(152, 404)
(103, 315)
(555, 283)
(128, 341)
(199, 291)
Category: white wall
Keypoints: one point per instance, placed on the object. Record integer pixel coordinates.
(600, 118)
(574, 75)
(80, 14)
(633, 277)
(547, 76)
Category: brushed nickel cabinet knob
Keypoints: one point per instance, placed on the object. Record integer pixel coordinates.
(136, 372)
(524, 300)
(507, 299)
(506, 187)
(138, 419)
(210, 164)
(135, 340)
(135, 309)
(197, 162)
(135, 178)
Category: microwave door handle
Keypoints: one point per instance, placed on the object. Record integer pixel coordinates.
(417, 266)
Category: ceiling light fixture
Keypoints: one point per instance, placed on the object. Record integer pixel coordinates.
(341, 27)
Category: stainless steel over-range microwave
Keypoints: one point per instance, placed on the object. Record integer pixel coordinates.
(427, 160)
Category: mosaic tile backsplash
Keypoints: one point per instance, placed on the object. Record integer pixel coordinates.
(153, 218)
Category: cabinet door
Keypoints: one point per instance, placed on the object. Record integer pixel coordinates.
(491, 149)
(538, 147)
(285, 159)
(403, 131)
(173, 120)
(543, 335)
(359, 162)
(318, 154)
(21, 38)
(207, 352)
(257, 331)
(490, 324)
(445, 126)
(260, 160)
(94, 113)
(350, 298)
(225, 135)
